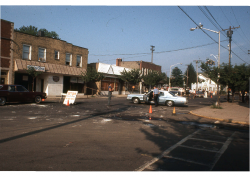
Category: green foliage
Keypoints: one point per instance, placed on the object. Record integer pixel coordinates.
(236, 77)
(211, 71)
(91, 75)
(133, 76)
(34, 31)
(33, 73)
(192, 76)
(176, 78)
(154, 77)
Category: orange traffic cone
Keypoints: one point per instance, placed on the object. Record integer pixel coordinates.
(211, 96)
(174, 111)
(67, 103)
(150, 109)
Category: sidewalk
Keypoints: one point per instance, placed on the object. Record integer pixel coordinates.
(230, 112)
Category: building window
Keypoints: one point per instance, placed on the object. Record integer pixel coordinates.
(27, 52)
(68, 59)
(56, 55)
(79, 61)
(42, 54)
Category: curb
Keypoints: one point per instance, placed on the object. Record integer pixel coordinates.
(222, 120)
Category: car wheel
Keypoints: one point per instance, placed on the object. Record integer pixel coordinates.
(38, 99)
(2, 101)
(169, 103)
(136, 100)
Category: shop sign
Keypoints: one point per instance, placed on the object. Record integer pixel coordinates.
(37, 68)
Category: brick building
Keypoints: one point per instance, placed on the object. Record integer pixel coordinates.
(6, 54)
(143, 66)
(60, 62)
(111, 75)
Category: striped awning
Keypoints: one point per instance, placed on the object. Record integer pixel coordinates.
(21, 65)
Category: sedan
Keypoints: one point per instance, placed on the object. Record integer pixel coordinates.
(199, 94)
(18, 93)
(165, 98)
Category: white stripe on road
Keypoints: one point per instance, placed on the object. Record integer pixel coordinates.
(222, 150)
(165, 153)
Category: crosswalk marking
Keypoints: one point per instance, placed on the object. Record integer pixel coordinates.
(218, 153)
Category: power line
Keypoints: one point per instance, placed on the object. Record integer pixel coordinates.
(206, 33)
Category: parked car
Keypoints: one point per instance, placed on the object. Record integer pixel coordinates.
(199, 94)
(18, 93)
(176, 93)
(165, 97)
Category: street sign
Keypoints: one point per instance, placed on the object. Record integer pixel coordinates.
(71, 96)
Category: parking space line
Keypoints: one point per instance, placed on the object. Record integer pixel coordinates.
(179, 144)
(222, 150)
(190, 161)
(207, 140)
(141, 168)
(199, 149)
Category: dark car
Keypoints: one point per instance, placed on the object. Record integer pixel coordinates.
(18, 93)
(199, 94)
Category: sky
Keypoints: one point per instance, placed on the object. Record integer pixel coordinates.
(127, 31)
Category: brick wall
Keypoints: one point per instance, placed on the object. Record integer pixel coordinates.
(138, 65)
(50, 45)
(5, 43)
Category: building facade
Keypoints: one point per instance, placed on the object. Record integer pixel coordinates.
(61, 63)
(143, 66)
(206, 84)
(6, 53)
(111, 76)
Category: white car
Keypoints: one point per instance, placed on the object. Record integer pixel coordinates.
(165, 98)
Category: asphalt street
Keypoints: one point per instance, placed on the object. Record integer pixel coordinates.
(92, 136)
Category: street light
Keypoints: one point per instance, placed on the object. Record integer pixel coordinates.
(170, 75)
(218, 32)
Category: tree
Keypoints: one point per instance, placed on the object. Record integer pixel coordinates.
(33, 73)
(154, 77)
(192, 77)
(34, 31)
(235, 77)
(133, 76)
(177, 77)
(91, 75)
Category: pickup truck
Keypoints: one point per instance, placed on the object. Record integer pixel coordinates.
(18, 93)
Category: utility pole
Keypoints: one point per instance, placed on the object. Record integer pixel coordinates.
(152, 49)
(187, 74)
(197, 61)
(229, 35)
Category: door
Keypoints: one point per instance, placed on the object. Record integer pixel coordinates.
(42, 85)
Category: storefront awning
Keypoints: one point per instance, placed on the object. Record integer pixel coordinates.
(21, 65)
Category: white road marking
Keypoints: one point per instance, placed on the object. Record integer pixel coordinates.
(165, 152)
(190, 161)
(222, 150)
(207, 140)
(200, 149)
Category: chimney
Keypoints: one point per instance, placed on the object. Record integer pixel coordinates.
(118, 61)
(41, 33)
